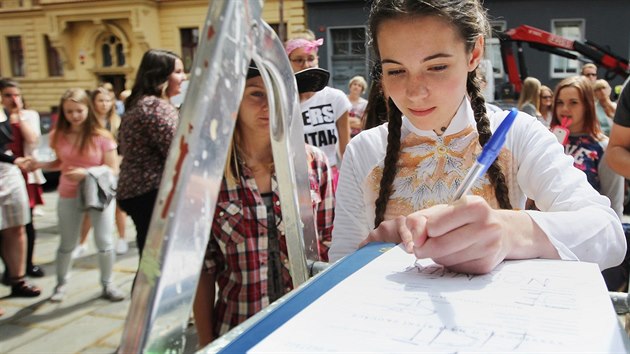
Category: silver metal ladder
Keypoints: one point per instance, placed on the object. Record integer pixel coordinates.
(180, 226)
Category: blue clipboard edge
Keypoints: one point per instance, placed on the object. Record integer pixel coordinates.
(245, 336)
(296, 301)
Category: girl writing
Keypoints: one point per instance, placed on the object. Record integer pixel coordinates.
(397, 179)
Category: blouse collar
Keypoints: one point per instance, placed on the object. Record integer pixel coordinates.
(462, 119)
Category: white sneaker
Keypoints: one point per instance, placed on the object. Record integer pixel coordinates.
(58, 294)
(121, 246)
(111, 293)
(79, 251)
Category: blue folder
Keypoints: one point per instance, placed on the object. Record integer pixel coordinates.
(304, 296)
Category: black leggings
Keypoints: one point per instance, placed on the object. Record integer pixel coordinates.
(30, 242)
(140, 209)
(616, 278)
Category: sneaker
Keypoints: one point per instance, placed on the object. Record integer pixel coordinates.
(58, 294)
(34, 271)
(112, 294)
(121, 246)
(79, 251)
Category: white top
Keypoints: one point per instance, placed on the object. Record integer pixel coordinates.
(357, 109)
(31, 118)
(320, 114)
(577, 219)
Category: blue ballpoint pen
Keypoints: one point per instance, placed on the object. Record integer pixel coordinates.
(488, 155)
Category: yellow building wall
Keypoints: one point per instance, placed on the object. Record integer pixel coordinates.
(75, 26)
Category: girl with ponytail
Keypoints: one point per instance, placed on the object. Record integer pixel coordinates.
(397, 180)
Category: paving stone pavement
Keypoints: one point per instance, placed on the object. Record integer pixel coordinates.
(83, 322)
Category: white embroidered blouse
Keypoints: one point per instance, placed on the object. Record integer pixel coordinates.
(577, 219)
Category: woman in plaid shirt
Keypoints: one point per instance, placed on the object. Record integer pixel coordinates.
(247, 252)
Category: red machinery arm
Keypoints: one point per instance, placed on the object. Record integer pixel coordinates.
(549, 42)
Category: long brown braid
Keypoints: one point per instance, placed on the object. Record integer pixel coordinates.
(478, 103)
(391, 157)
(469, 18)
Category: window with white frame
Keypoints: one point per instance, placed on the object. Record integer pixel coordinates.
(572, 29)
(493, 49)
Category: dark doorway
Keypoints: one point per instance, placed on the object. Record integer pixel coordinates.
(118, 81)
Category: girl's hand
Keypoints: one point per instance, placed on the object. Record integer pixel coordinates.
(397, 230)
(76, 174)
(24, 163)
(466, 236)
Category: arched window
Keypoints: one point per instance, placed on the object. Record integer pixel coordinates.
(112, 53)
(120, 56)
(107, 55)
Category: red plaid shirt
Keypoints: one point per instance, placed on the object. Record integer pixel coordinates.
(237, 251)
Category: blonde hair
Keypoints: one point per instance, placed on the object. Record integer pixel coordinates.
(108, 86)
(303, 34)
(91, 127)
(231, 173)
(124, 94)
(588, 65)
(601, 84)
(359, 80)
(112, 116)
(530, 93)
(540, 106)
(546, 88)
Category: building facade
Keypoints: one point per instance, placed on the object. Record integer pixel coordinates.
(49, 46)
(342, 24)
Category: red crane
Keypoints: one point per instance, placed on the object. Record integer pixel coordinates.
(549, 42)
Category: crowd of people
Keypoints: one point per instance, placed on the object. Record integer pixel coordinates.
(380, 169)
(89, 140)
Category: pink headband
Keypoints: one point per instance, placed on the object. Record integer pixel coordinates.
(309, 46)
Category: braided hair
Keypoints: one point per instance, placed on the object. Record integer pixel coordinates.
(470, 21)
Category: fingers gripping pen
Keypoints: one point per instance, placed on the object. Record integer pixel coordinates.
(488, 155)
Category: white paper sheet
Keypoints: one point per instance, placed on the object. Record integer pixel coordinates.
(390, 305)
